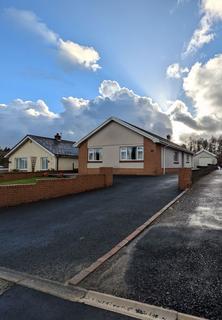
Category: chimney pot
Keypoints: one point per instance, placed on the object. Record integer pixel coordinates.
(169, 137)
(58, 137)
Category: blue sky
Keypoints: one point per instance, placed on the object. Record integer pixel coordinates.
(136, 42)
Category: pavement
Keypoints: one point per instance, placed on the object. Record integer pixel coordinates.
(176, 263)
(24, 303)
(57, 238)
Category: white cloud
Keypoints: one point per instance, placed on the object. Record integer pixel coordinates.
(212, 12)
(71, 54)
(176, 71)
(79, 115)
(203, 86)
(109, 88)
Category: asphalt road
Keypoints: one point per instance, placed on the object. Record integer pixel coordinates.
(177, 262)
(19, 303)
(57, 238)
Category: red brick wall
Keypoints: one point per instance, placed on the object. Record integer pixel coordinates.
(11, 195)
(19, 175)
(185, 178)
(83, 158)
(152, 158)
(172, 170)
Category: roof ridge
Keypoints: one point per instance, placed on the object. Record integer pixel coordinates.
(44, 137)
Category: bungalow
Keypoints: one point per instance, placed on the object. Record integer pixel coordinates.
(203, 158)
(129, 149)
(35, 153)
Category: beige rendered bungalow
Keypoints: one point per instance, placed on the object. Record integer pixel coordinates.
(36, 153)
(129, 149)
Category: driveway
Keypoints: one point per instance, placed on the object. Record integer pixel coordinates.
(177, 262)
(57, 238)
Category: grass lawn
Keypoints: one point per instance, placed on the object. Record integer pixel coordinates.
(20, 181)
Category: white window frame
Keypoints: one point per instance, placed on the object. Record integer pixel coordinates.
(42, 159)
(93, 152)
(21, 163)
(124, 151)
(176, 157)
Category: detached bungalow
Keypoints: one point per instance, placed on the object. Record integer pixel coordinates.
(129, 150)
(203, 158)
(35, 153)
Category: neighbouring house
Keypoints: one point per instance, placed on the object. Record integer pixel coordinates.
(36, 153)
(129, 149)
(203, 158)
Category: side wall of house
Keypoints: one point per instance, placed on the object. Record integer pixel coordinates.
(68, 164)
(31, 149)
(169, 159)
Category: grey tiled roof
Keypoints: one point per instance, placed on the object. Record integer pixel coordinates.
(60, 148)
(162, 140)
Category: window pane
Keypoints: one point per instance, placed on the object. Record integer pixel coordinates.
(129, 153)
(140, 153)
(123, 153)
(91, 154)
(134, 153)
(97, 155)
(176, 156)
(44, 163)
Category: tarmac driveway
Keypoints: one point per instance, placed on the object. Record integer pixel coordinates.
(177, 262)
(57, 238)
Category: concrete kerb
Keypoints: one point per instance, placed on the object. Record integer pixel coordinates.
(134, 309)
(95, 265)
(54, 288)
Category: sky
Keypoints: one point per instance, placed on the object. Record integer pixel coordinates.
(67, 65)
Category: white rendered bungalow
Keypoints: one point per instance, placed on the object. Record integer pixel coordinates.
(203, 158)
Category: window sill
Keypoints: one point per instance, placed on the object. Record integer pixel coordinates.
(94, 161)
(131, 161)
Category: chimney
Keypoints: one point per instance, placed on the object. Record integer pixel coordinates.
(169, 137)
(58, 137)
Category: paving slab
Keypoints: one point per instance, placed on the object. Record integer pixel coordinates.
(57, 238)
(23, 303)
(176, 263)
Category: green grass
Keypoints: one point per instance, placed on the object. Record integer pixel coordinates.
(20, 181)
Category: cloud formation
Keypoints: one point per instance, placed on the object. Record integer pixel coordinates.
(211, 13)
(176, 71)
(71, 54)
(79, 115)
(203, 86)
